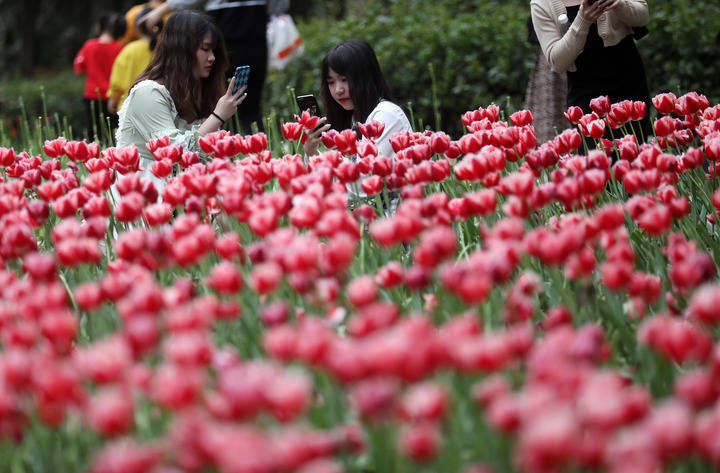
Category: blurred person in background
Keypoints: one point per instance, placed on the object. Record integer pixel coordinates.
(132, 60)
(244, 27)
(95, 60)
(182, 93)
(593, 42)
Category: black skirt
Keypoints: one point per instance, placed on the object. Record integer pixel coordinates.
(616, 71)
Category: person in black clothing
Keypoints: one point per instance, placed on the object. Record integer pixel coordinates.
(243, 25)
(594, 43)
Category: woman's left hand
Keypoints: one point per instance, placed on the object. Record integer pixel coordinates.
(228, 103)
(594, 11)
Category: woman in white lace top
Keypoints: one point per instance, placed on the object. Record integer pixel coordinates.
(182, 92)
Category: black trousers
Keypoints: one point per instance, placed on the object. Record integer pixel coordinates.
(253, 53)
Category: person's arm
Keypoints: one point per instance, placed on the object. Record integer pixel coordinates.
(151, 114)
(176, 5)
(633, 12)
(560, 51)
(79, 65)
(225, 108)
(154, 17)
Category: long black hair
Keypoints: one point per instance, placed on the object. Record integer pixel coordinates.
(356, 60)
(175, 58)
(113, 24)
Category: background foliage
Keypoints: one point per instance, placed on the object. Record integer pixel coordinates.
(477, 50)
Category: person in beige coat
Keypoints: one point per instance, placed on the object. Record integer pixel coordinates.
(593, 43)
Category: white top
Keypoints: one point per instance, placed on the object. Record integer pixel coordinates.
(149, 113)
(395, 121)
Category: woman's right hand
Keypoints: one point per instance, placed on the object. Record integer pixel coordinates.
(227, 104)
(313, 137)
(592, 12)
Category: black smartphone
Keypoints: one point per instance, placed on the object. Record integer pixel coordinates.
(242, 73)
(308, 102)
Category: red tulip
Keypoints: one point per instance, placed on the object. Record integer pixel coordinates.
(127, 158)
(420, 441)
(372, 185)
(126, 456)
(664, 103)
(346, 141)
(440, 143)
(265, 277)
(40, 266)
(639, 110)
(307, 121)
(225, 278)
(596, 129)
(366, 149)
(703, 305)
(521, 118)
(622, 112)
(600, 105)
(573, 115)
(664, 126)
(110, 411)
(292, 131)
(424, 402)
(55, 148)
(88, 296)
(175, 387)
(130, 207)
(256, 143)
(171, 152)
(372, 130)
(362, 291)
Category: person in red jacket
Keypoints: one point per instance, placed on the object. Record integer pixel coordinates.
(95, 60)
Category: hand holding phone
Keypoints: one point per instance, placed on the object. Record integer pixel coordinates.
(308, 102)
(242, 73)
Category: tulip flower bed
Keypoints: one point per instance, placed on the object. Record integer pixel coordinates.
(490, 304)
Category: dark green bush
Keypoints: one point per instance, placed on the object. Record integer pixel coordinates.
(680, 52)
(56, 100)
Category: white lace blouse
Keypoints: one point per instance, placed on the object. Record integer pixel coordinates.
(149, 113)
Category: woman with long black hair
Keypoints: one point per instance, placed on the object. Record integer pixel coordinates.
(182, 93)
(353, 90)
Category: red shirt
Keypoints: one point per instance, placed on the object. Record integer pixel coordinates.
(95, 59)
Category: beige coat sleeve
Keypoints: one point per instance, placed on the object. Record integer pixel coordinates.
(632, 12)
(561, 50)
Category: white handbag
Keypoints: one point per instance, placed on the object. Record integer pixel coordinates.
(284, 41)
